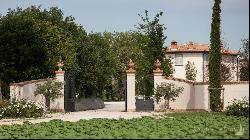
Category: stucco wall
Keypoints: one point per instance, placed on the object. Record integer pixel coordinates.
(201, 97)
(196, 58)
(235, 91)
(186, 99)
(25, 90)
(195, 94)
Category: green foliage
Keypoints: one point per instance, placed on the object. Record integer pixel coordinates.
(195, 125)
(244, 73)
(23, 108)
(152, 50)
(215, 59)
(31, 42)
(238, 107)
(51, 90)
(98, 65)
(167, 67)
(102, 61)
(169, 91)
(191, 72)
(244, 70)
(226, 74)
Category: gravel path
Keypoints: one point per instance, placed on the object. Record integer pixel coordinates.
(112, 110)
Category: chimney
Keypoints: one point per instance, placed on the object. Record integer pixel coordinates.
(191, 43)
(173, 44)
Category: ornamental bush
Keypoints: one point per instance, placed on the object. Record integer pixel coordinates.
(191, 71)
(22, 109)
(238, 107)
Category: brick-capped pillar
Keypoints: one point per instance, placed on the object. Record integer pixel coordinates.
(157, 77)
(130, 87)
(58, 104)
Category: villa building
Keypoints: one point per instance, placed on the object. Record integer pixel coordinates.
(198, 54)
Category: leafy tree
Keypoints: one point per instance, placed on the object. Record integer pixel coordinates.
(97, 65)
(125, 45)
(169, 91)
(244, 54)
(215, 60)
(51, 90)
(31, 42)
(190, 71)
(152, 50)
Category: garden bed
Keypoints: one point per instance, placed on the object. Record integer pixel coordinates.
(193, 125)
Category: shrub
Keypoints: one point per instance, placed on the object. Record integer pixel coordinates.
(169, 91)
(23, 108)
(238, 107)
(191, 71)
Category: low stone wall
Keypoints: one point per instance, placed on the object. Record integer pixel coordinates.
(88, 104)
(25, 90)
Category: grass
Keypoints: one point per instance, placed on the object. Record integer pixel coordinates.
(195, 125)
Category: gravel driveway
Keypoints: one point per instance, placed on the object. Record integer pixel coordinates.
(112, 110)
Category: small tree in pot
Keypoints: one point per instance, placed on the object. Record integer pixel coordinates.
(50, 90)
(169, 91)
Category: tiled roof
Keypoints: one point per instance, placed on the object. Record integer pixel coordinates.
(195, 47)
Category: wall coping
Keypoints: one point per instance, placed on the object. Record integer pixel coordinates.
(180, 80)
(206, 83)
(30, 82)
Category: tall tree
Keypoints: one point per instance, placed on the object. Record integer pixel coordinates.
(153, 50)
(31, 42)
(98, 64)
(215, 59)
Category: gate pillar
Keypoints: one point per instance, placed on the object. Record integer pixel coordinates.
(157, 76)
(59, 102)
(130, 99)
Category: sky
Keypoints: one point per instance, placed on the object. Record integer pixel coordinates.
(186, 20)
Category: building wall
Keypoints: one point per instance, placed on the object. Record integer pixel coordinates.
(197, 59)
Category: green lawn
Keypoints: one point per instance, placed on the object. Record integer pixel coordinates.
(175, 125)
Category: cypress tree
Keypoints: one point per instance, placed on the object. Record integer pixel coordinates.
(215, 60)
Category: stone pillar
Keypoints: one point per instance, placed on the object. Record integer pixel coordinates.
(58, 104)
(157, 77)
(130, 87)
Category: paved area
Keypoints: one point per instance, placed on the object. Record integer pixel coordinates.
(112, 110)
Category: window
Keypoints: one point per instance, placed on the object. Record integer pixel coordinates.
(206, 59)
(178, 59)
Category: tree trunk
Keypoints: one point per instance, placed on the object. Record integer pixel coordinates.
(47, 103)
(167, 104)
(112, 97)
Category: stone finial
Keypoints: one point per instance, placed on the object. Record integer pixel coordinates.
(157, 65)
(131, 66)
(60, 65)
